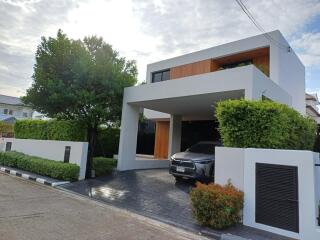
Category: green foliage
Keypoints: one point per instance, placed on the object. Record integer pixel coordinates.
(45, 167)
(264, 124)
(31, 129)
(66, 130)
(103, 166)
(216, 206)
(108, 142)
(82, 80)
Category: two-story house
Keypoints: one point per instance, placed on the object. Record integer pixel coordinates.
(181, 93)
(14, 107)
(312, 103)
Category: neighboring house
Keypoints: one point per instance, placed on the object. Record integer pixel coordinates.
(312, 102)
(181, 93)
(14, 107)
(7, 118)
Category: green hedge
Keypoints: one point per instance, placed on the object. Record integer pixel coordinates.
(103, 166)
(45, 167)
(264, 124)
(108, 142)
(49, 130)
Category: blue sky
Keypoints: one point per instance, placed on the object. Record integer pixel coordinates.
(151, 30)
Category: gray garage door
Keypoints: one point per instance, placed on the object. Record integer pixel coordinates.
(277, 196)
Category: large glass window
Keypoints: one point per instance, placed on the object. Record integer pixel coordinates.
(161, 76)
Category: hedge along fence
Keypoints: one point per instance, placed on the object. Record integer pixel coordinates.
(50, 168)
(64, 130)
(6, 128)
(264, 124)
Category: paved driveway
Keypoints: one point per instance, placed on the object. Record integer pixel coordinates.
(32, 211)
(154, 193)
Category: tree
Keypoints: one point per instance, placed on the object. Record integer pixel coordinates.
(80, 80)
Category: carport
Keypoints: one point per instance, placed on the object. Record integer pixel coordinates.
(191, 97)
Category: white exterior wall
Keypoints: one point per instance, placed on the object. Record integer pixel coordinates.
(51, 150)
(229, 165)
(286, 70)
(17, 111)
(230, 160)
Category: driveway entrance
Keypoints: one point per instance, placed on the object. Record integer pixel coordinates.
(155, 194)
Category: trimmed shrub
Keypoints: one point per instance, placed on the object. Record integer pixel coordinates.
(30, 129)
(45, 167)
(103, 166)
(66, 130)
(108, 142)
(264, 124)
(216, 206)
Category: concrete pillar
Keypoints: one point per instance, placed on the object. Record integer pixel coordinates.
(128, 136)
(174, 134)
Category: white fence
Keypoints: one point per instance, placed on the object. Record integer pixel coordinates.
(72, 152)
(239, 165)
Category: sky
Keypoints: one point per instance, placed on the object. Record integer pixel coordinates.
(151, 30)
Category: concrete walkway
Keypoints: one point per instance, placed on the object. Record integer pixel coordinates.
(32, 211)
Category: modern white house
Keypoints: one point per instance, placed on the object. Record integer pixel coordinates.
(13, 107)
(186, 88)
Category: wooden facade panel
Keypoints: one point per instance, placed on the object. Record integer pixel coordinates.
(191, 69)
(262, 62)
(161, 140)
(259, 57)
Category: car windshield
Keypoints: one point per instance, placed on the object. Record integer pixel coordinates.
(206, 148)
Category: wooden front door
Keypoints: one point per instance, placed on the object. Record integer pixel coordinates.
(161, 139)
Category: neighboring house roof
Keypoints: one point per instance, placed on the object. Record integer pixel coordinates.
(312, 96)
(11, 100)
(7, 118)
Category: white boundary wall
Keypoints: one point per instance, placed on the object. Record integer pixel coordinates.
(52, 150)
(238, 164)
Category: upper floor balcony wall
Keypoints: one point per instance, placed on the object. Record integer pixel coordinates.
(273, 58)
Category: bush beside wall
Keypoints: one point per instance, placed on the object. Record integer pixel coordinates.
(216, 206)
(45, 167)
(103, 166)
(108, 142)
(264, 124)
(49, 130)
(6, 129)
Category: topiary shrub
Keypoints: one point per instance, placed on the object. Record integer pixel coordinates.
(103, 166)
(63, 130)
(264, 124)
(45, 167)
(216, 206)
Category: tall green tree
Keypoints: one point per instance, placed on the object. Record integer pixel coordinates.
(80, 80)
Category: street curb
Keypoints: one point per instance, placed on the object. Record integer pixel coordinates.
(30, 177)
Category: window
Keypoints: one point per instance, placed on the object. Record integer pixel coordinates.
(161, 76)
(237, 64)
(5, 111)
(25, 114)
(10, 112)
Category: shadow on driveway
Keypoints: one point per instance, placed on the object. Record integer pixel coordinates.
(155, 193)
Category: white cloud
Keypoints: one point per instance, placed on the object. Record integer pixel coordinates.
(308, 46)
(146, 30)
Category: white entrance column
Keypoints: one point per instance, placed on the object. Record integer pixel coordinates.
(174, 134)
(128, 136)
